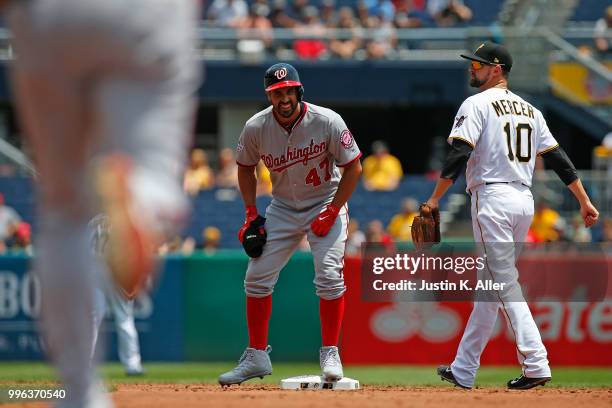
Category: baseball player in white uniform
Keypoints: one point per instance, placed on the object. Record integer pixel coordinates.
(499, 135)
(104, 89)
(303, 146)
(121, 307)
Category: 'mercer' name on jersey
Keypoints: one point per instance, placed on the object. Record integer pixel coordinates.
(294, 155)
(508, 107)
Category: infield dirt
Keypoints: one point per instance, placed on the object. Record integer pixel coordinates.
(256, 396)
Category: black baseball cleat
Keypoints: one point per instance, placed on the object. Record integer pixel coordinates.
(525, 383)
(446, 374)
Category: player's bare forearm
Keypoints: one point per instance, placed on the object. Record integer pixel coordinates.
(348, 182)
(441, 188)
(588, 211)
(579, 192)
(248, 185)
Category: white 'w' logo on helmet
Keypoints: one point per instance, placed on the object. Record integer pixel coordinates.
(280, 73)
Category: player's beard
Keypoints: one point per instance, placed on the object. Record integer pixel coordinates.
(475, 82)
(286, 113)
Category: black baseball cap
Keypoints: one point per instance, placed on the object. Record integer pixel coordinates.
(492, 54)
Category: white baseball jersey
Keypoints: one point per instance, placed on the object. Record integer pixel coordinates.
(506, 133)
(303, 162)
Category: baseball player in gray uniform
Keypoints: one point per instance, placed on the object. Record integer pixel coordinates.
(499, 135)
(103, 88)
(121, 307)
(303, 146)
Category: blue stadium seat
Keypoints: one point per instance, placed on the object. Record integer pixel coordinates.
(589, 10)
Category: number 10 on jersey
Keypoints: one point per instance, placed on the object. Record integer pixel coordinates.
(523, 132)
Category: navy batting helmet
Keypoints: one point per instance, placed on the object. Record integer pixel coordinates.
(282, 75)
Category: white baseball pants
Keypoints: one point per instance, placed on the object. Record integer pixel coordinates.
(501, 213)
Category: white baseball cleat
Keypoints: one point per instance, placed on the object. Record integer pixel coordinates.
(331, 366)
(253, 363)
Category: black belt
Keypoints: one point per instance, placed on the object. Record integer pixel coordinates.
(488, 183)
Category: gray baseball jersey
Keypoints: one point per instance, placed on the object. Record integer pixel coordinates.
(303, 164)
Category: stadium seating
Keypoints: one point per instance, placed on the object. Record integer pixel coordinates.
(224, 209)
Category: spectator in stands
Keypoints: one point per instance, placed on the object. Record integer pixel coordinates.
(400, 226)
(383, 9)
(9, 220)
(211, 238)
(298, 11)
(345, 48)
(402, 20)
(602, 39)
(356, 237)
(562, 233)
(257, 25)
(408, 6)
(228, 13)
(448, 13)
(580, 233)
(198, 176)
(188, 246)
(381, 170)
(264, 182)
(227, 176)
(262, 3)
(363, 13)
(383, 40)
(543, 224)
(376, 234)
(329, 17)
(279, 16)
(311, 45)
(22, 239)
(408, 15)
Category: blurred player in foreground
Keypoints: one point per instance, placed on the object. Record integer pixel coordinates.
(104, 93)
(499, 134)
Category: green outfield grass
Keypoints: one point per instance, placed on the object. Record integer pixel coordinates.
(189, 373)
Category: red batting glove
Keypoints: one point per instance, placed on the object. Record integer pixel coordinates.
(250, 215)
(323, 223)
